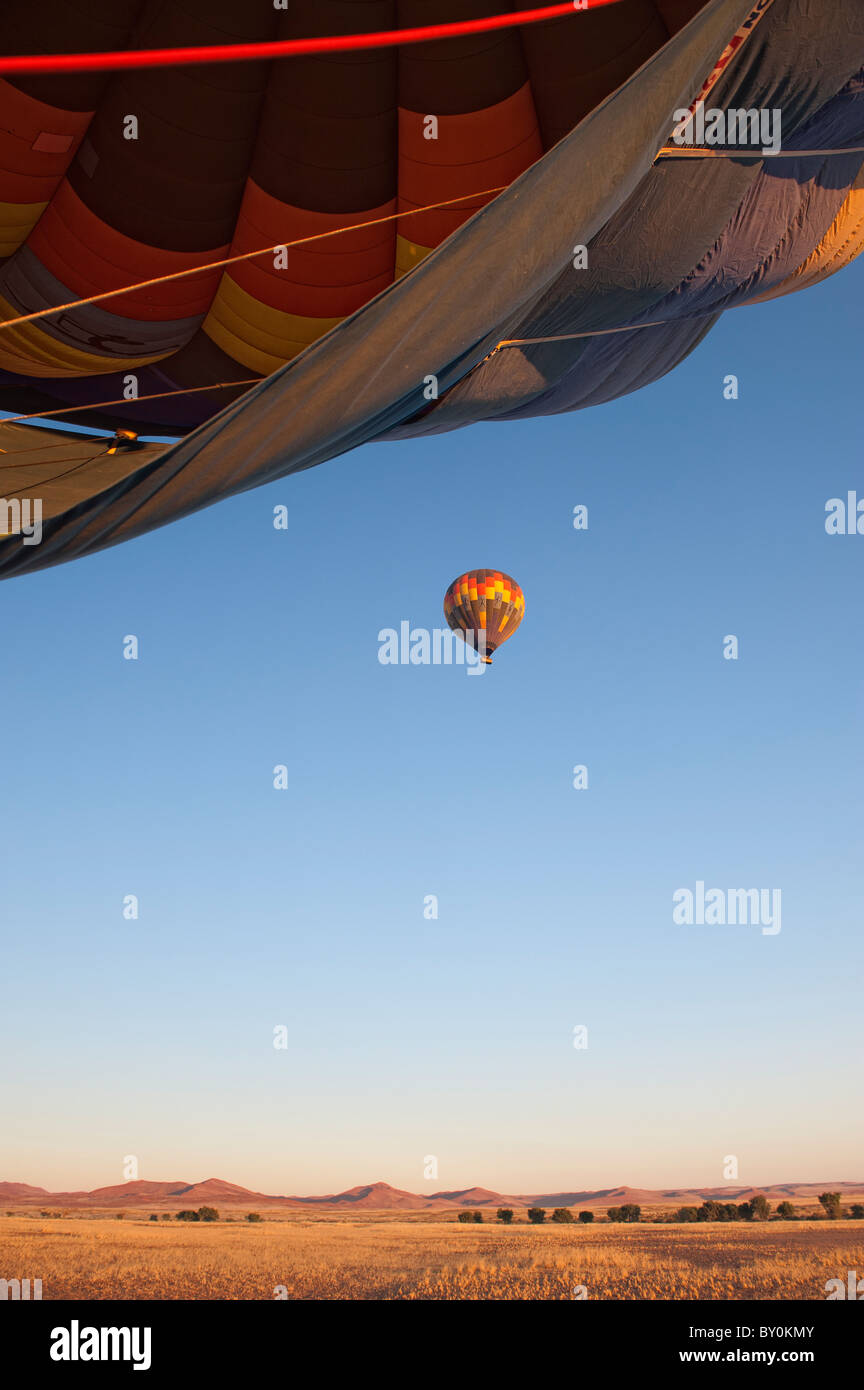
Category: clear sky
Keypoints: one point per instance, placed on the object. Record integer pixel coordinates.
(304, 907)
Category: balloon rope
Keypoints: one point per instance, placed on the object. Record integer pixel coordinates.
(405, 35)
(286, 48)
(255, 380)
(694, 152)
(129, 400)
(234, 52)
(597, 332)
(667, 152)
(243, 256)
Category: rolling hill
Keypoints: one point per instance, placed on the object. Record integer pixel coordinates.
(380, 1196)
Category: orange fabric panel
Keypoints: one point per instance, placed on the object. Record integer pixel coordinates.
(843, 241)
(473, 151)
(327, 279)
(87, 256)
(37, 145)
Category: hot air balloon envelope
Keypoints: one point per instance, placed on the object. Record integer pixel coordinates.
(485, 607)
(617, 256)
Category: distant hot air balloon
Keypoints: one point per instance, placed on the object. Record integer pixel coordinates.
(485, 607)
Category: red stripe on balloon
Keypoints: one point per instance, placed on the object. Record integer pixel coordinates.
(285, 48)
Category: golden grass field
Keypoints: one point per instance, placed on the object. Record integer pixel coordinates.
(391, 1257)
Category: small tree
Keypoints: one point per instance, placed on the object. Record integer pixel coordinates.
(154, 1217)
(760, 1207)
(252, 1216)
(631, 1211)
(614, 1214)
(857, 1212)
(562, 1215)
(586, 1217)
(505, 1214)
(687, 1214)
(787, 1211)
(208, 1214)
(465, 1216)
(187, 1215)
(831, 1203)
(537, 1215)
(477, 1215)
(166, 1216)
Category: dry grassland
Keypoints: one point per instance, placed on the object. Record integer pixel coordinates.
(365, 1258)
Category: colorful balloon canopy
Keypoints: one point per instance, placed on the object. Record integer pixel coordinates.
(394, 327)
(485, 607)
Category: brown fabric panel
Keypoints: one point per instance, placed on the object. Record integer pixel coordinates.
(17, 398)
(202, 361)
(676, 13)
(575, 63)
(458, 75)
(66, 26)
(53, 466)
(179, 185)
(327, 136)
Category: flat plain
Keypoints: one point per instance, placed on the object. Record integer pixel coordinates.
(385, 1256)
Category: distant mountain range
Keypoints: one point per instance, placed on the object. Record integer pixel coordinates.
(380, 1196)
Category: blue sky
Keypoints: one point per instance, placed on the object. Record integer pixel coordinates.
(304, 907)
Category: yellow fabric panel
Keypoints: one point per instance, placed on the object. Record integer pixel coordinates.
(408, 254)
(256, 335)
(841, 244)
(30, 352)
(17, 221)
